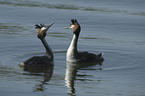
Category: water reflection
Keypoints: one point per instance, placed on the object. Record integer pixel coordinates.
(46, 72)
(71, 73)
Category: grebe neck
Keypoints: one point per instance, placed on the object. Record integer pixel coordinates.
(72, 50)
(49, 52)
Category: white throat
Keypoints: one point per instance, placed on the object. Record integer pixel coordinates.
(72, 50)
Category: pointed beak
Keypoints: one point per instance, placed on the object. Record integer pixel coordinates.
(50, 25)
(67, 27)
(44, 29)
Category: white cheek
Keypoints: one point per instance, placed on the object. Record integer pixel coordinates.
(43, 28)
(71, 26)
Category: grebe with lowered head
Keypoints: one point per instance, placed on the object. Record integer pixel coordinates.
(72, 53)
(47, 59)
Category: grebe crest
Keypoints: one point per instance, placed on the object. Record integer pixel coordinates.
(47, 59)
(72, 53)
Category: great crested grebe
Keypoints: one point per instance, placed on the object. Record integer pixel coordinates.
(47, 59)
(72, 53)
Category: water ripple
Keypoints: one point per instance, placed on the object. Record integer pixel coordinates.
(6, 28)
(68, 7)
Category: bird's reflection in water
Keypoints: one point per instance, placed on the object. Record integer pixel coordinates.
(71, 73)
(46, 72)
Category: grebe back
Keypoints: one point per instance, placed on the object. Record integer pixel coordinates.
(47, 59)
(72, 53)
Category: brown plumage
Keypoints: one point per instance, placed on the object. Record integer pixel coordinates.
(47, 59)
(72, 53)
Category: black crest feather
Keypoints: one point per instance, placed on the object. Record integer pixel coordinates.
(39, 26)
(74, 21)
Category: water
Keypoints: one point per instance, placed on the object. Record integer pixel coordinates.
(115, 28)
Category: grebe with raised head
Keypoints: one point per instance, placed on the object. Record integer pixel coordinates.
(47, 59)
(72, 53)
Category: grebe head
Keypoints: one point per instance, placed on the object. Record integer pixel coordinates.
(75, 26)
(42, 30)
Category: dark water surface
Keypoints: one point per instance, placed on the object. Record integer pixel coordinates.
(116, 28)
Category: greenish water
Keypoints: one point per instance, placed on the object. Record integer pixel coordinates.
(115, 28)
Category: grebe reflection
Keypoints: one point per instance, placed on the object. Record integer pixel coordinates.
(71, 74)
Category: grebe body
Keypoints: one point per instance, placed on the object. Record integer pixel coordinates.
(47, 59)
(72, 53)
